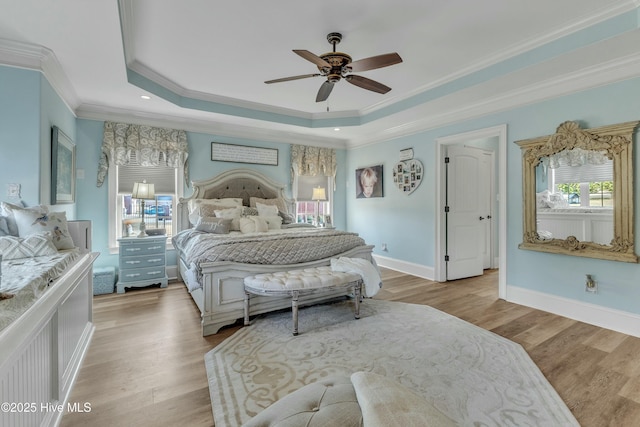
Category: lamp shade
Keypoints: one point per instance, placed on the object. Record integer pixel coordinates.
(319, 194)
(142, 190)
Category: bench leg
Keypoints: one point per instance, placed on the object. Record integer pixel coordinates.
(294, 311)
(246, 309)
(357, 290)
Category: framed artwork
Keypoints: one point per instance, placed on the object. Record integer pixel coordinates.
(369, 182)
(407, 175)
(243, 154)
(63, 168)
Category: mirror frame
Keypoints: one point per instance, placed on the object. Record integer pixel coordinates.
(617, 141)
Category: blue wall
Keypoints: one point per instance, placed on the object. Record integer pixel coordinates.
(407, 223)
(93, 201)
(20, 133)
(29, 107)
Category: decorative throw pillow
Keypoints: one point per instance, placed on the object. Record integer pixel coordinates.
(266, 210)
(30, 222)
(233, 214)
(278, 202)
(214, 225)
(253, 224)
(38, 244)
(287, 218)
(249, 211)
(273, 222)
(8, 210)
(210, 210)
(4, 227)
(195, 206)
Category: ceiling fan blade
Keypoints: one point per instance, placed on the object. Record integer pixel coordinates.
(313, 58)
(374, 62)
(325, 91)
(368, 84)
(286, 79)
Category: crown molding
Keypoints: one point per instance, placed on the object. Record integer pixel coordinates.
(39, 58)
(580, 23)
(217, 128)
(609, 72)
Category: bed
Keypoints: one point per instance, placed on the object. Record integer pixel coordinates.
(213, 265)
(45, 322)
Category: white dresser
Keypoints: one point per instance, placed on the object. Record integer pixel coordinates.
(142, 262)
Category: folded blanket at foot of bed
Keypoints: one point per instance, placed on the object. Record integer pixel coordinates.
(366, 270)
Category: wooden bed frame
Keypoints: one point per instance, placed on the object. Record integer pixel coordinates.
(221, 297)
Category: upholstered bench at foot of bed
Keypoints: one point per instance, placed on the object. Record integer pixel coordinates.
(296, 283)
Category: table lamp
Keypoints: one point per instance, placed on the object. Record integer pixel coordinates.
(143, 191)
(318, 194)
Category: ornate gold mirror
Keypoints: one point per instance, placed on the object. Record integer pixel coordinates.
(578, 192)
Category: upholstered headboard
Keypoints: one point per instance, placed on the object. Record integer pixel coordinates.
(237, 183)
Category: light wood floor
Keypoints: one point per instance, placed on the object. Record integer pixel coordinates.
(145, 366)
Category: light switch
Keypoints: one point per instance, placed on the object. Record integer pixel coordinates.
(13, 190)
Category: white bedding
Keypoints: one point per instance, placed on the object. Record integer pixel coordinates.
(27, 279)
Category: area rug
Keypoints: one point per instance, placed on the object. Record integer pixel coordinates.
(474, 376)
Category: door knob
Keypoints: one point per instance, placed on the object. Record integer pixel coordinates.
(481, 218)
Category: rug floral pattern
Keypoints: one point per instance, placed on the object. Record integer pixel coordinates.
(475, 377)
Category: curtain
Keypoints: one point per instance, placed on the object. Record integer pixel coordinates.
(312, 161)
(146, 145)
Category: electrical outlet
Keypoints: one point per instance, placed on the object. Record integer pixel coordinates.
(591, 285)
(384, 246)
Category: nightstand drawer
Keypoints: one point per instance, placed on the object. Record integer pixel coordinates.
(142, 261)
(140, 248)
(138, 274)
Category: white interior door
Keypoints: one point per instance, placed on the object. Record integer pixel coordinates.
(466, 218)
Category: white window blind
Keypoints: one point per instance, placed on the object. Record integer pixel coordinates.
(586, 173)
(306, 185)
(163, 177)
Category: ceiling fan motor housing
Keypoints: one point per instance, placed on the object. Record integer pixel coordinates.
(338, 62)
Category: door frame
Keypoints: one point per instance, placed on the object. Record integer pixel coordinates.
(501, 133)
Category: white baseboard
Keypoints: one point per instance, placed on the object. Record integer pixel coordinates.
(405, 267)
(604, 317)
(172, 272)
(593, 314)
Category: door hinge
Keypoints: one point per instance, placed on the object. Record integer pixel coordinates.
(446, 159)
(446, 258)
(446, 209)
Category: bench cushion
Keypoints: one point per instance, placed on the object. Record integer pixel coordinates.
(327, 402)
(308, 278)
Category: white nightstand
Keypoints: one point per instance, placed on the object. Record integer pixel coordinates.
(142, 262)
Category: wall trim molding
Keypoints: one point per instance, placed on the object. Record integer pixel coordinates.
(405, 267)
(598, 315)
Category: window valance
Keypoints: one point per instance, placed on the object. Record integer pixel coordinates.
(147, 145)
(311, 161)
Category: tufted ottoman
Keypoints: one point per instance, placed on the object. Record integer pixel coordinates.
(296, 283)
(328, 402)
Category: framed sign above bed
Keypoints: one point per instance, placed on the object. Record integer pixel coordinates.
(243, 154)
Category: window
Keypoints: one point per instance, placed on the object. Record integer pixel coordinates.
(306, 208)
(125, 213)
(586, 185)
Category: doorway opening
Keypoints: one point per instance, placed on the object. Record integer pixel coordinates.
(462, 234)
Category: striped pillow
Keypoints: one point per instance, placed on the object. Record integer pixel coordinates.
(38, 244)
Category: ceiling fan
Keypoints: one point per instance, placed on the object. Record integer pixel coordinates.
(337, 65)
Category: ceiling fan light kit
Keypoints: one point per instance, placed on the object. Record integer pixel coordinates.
(336, 66)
